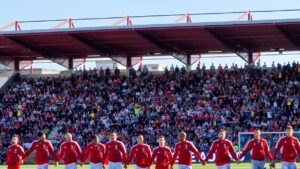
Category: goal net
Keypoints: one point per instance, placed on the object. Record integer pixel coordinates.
(271, 137)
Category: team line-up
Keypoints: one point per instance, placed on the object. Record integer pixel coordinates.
(114, 152)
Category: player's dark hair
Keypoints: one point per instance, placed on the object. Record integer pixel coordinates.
(289, 127)
(94, 137)
(40, 133)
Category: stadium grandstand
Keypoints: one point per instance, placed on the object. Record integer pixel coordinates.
(134, 98)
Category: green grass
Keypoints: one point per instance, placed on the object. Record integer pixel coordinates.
(195, 166)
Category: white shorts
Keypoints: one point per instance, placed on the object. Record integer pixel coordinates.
(257, 164)
(42, 166)
(137, 167)
(95, 165)
(288, 165)
(225, 166)
(71, 166)
(180, 166)
(113, 165)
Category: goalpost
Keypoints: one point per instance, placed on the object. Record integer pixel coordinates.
(271, 137)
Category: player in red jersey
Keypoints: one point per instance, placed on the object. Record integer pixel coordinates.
(70, 151)
(222, 147)
(14, 154)
(140, 153)
(42, 148)
(183, 151)
(95, 152)
(162, 154)
(258, 148)
(115, 153)
(289, 147)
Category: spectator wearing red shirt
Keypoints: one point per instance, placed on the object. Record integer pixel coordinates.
(95, 152)
(258, 148)
(140, 154)
(14, 154)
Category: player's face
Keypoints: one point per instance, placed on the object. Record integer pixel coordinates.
(180, 137)
(222, 135)
(289, 132)
(257, 134)
(68, 137)
(95, 141)
(113, 136)
(140, 139)
(161, 142)
(42, 138)
(14, 140)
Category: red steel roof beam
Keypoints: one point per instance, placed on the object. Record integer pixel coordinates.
(14, 23)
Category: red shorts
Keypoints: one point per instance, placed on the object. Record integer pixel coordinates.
(13, 166)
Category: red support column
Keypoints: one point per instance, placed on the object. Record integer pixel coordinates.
(186, 16)
(246, 14)
(68, 21)
(14, 23)
(126, 18)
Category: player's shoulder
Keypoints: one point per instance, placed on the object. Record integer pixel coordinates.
(189, 142)
(228, 141)
(177, 144)
(134, 146)
(75, 142)
(167, 148)
(263, 140)
(119, 142)
(20, 147)
(64, 143)
(216, 142)
(47, 142)
(101, 144)
(282, 138)
(35, 142)
(10, 147)
(144, 145)
(252, 140)
(156, 149)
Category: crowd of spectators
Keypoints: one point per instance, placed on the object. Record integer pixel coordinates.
(199, 102)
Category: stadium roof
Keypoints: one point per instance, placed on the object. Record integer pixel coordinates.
(135, 40)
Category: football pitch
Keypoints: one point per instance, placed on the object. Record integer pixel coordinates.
(195, 166)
